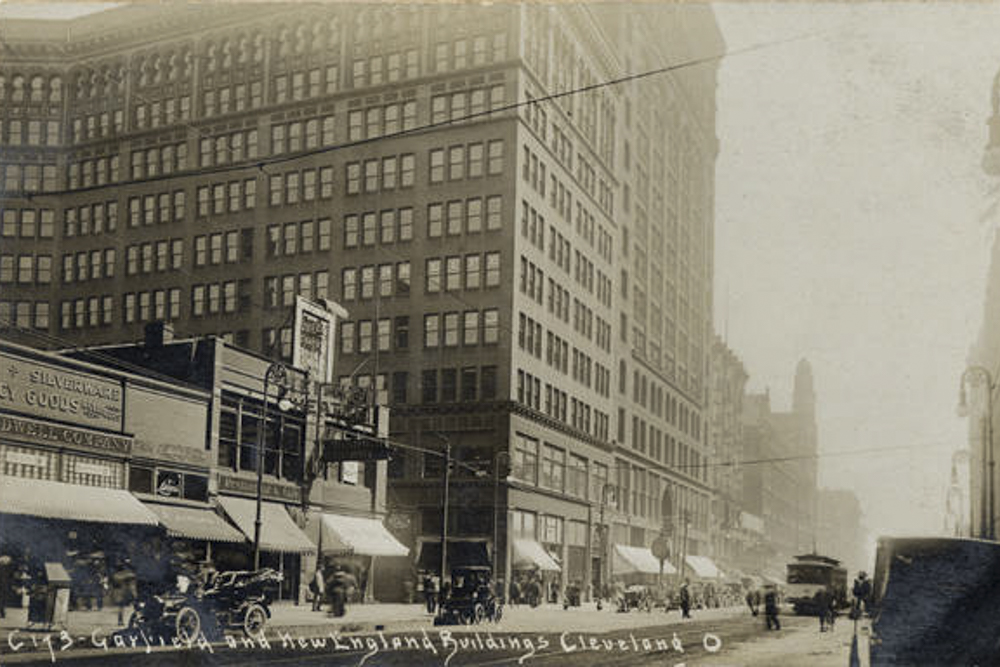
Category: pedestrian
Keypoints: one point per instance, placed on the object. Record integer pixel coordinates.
(6, 565)
(515, 592)
(822, 603)
(430, 593)
(685, 600)
(862, 590)
(554, 592)
(771, 608)
(124, 587)
(752, 602)
(318, 588)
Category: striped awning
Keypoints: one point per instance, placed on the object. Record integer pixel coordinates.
(72, 502)
(277, 530)
(703, 567)
(631, 560)
(195, 523)
(359, 535)
(529, 554)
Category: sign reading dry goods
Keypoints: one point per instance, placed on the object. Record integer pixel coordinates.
(49, 391)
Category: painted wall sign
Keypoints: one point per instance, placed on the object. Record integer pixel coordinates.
(67, 436)
(50, 391)
(248, 486)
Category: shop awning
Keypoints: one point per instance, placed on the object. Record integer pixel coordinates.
(630, 560)
(529, 554)
(772, 578)
(277, 530)
(703, 567)
(359, 535)
(72, 502)
(460, 553)
(195, 523)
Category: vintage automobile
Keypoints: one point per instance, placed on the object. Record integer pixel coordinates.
(230, 601)
(471, 599)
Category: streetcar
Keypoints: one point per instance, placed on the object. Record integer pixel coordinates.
(811, 573)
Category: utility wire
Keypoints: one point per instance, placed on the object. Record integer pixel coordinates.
(280, 159)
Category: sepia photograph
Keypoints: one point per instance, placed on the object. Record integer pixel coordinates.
(470, 333)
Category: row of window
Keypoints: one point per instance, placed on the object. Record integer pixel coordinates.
(659, 400)
(464, 105)
(468, 272)
(37, 89)
(107, 123)
(27, 223)
(83, 266)
(160, 208)
(100, 170)
(457, 216)
(231, 197)
(381, 175)
(580, 414)
(236, 98)
(392, 279)
(295, 187)
(282, 290)
(286, 137)
(224, 247)
(228, 148)
(466, 161)
(298, 238)
(532, 280)
(533, 226)
(26, 269)
(30, 133)
(157, 160)
(25, 314)
(468, 328)
(94, 311)
(448, 385)
(379, 121)
(95, 218)
(29, 178)
(390, 226)
(667, 449)
(228, 297)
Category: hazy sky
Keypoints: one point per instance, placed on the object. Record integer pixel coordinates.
(852, 228)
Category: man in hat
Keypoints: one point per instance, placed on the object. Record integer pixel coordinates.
(771, 607)
(685, 600)
(862, 591)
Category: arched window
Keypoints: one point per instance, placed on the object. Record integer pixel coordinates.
(37, 89)
(156, 65)
(3, 87)
(94, 89)
(17, 94)
(284, 43)
(174, 67)
(227, 55)
(140, 70)
(333, 32)
(211, 57)
(258, 47)
(243, 50)
(55, 89)
(300, 39)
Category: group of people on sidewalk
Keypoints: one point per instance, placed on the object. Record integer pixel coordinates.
(332, 587)
(825, 604)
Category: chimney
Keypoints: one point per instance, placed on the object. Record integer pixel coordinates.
(158, 333)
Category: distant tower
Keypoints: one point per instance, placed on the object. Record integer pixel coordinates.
(804, 396)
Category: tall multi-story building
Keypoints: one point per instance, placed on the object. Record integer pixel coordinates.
(525, 254)
(841, 532)
(728, 377)
(780, 486)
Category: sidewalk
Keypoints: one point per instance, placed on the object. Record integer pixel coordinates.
(799, 642)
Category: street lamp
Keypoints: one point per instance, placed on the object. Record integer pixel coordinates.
(444, 519)
(987, 530)
(277, 374)
(496, 513)
(605, 543)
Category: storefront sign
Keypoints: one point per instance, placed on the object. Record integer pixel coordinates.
(349, 472)
(65, 436)
(248, 486)
(62, 394)
(312, 346)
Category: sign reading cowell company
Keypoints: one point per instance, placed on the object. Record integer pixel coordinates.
(27, 430)
(50, 391)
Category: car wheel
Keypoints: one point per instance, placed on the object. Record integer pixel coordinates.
(187, 624)
(497, 612)
(254, 619)
(478, 613)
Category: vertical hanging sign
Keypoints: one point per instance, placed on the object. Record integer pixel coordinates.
(313, 342)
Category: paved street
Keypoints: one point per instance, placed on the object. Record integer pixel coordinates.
(547, 635)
